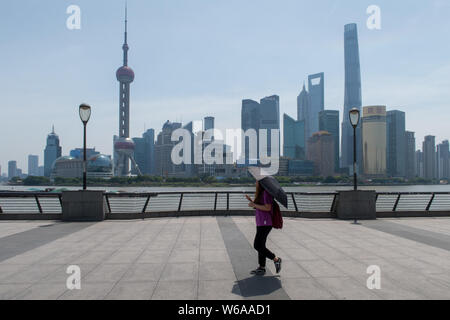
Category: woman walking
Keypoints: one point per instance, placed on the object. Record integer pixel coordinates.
(263, 203)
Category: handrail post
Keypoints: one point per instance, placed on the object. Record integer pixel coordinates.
(215, 202)
(295, 203)
(431, 202)
(146, 204)
(181, 200)
(333, 205)
(228, 201)
(107, 203)
(38, 203)
(396, 203)
(60, 200)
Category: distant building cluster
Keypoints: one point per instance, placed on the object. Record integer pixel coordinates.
(314, 144)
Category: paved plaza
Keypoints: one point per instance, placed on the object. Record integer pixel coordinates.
(210, 258)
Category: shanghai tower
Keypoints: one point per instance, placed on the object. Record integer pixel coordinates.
(352, 97)
(123, 145)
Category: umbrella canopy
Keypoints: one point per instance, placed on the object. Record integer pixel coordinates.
(270, 184)
(258, 173)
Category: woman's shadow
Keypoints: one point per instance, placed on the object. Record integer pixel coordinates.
(256, 286)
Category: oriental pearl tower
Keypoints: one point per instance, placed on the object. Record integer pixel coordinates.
(123, 145)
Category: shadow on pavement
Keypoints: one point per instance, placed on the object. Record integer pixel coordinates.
(256, 286)
(28, 240)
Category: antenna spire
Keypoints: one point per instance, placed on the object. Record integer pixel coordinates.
(126, 20)
(125, 45)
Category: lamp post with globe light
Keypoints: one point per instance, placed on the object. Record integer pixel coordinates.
(354, 115)
(85, 115)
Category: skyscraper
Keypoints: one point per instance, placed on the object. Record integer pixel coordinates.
(163, 149)
(374, 140)
(419, 164)
(149, 137)
(410, 161)
(269, 119)
(259, 116)
(123, 145)
(208, 123)
(321, 151)
(52, 152)
(442, 160)
(294, 138)
(329, 121)
(188, 169)
(310, 103)
(303, 111)
(352, 97)
(33, 165)
(144, 152)
(316, 88)
(396, 147)
(12, 169)
(429, 157)
(250, 120)
(139, 154)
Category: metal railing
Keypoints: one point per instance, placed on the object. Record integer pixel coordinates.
(30, 202)
(219, 201)
(413, 201)
(211, 201)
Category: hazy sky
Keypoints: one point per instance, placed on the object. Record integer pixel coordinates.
(194, 58)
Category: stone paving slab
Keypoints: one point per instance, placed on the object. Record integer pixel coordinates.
(210, 258)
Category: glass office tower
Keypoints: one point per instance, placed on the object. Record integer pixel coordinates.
(303, 111)
(293, 138)
(316, 89)
(269, 117)
(429, 157)
(410, 161)
(52, 152)
(396, 146)
(250, 120)
(352, 97)
(329, 121)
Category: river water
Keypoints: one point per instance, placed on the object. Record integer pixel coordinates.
(413, 188)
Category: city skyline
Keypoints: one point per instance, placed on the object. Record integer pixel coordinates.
(413, 92)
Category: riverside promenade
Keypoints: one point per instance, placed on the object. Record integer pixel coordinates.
(210, 258)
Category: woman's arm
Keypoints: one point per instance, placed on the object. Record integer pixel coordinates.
(267, 207)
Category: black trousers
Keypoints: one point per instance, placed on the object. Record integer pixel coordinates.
(260, 245)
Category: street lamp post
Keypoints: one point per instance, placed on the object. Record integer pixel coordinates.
(85, 114)
(355, 204)
(354, 115)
